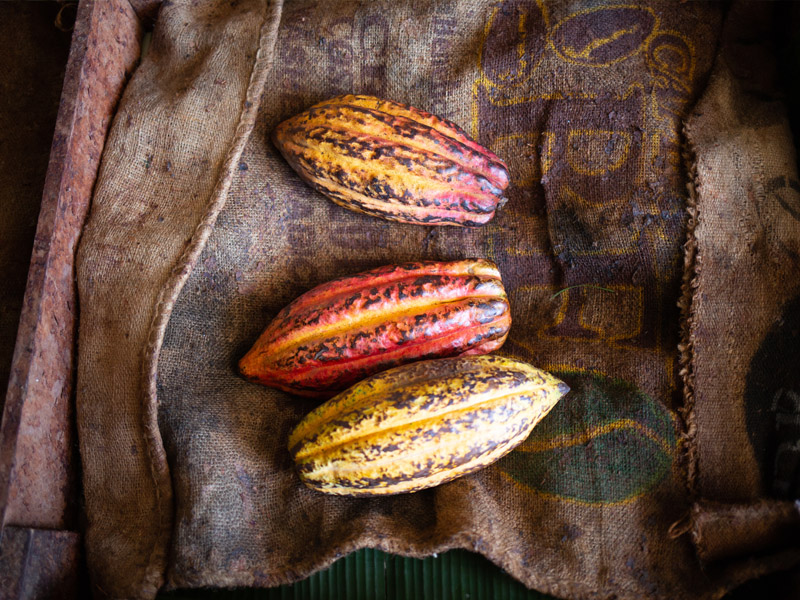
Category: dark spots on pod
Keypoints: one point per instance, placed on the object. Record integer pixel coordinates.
(437, 219)
(428, 280)
(405, 337)
(380, 190)
(339, 351)
(302, 352)
(409, 128)
(471, 206)
(472, 454)
(489, 311)
(403, 126)
(483, 284)
(313, 318)
(380, 329)
(410, 267)
(448, 169)
(397, 213)
(320, 354)
(371, 301)
(306, 468)
(340, 423)
(339, 174)
(312, 167)
(377, 482)
(475, 340)
(488, 187)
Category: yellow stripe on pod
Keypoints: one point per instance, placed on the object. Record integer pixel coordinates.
(422, 424)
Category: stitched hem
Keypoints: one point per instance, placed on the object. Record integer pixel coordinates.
(687, 307)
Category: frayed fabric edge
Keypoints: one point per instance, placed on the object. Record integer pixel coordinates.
(686, 304)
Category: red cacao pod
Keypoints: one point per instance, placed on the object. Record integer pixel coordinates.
(346, 329)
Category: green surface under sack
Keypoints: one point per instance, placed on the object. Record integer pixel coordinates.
(375, 575)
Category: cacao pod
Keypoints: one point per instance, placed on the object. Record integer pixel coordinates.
(393, 161)
(352, 327)
(420, 425)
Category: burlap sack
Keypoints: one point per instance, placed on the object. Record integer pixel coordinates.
(200, 233)
(742, 300)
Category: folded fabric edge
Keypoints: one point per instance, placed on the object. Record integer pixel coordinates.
(179, 275)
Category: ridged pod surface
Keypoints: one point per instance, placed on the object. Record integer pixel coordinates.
(393, 161)
(420, 425)
(352, 327)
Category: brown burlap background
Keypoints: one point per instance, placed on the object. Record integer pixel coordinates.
(200, 233)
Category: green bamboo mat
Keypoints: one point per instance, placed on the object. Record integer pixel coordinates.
(375, 575)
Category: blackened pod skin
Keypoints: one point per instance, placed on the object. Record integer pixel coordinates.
(420, 425)
(393, 161)
(355, 326)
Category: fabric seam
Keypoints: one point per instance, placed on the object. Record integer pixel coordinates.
(687, 305)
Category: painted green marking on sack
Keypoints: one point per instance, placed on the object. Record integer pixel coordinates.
(606, 442)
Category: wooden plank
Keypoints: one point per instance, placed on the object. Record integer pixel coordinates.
(39, 564)
(38, 464)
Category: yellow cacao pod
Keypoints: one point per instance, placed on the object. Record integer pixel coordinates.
(393, 161)
(421, 424)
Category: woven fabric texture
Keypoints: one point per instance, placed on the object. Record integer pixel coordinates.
(200, 233)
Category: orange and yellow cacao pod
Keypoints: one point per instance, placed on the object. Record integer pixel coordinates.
(352, 327)
(393, 161)
(420, 425)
